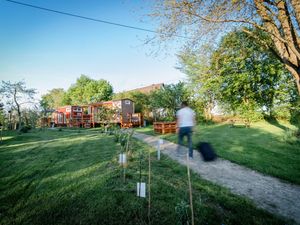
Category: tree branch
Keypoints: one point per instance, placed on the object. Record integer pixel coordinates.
(296, 7)
(287, 27)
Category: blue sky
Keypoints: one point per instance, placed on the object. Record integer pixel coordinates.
(49, 50)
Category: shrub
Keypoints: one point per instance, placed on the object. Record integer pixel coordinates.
(291, 136)
(25, 129)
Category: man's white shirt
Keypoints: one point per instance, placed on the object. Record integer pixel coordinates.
(186, 117)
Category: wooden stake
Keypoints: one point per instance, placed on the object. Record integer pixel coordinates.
(1, 134)
(149, 186)
(140, 173)
(124, 173)
(190, 188)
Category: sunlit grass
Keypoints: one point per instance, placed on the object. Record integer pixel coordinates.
(7, 138)
(54, 177)
(264, 147)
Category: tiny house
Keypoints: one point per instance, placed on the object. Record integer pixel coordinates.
(123, 110)
(70, 116)
(91, 115)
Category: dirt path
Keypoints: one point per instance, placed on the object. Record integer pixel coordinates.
(267, 192)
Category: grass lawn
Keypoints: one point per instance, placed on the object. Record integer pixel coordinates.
(70, 177)
(263, 147)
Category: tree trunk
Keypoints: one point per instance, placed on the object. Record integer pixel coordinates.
(19, 110)
(285, 37)
(296, 75)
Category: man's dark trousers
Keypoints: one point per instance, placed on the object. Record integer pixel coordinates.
(186, 131)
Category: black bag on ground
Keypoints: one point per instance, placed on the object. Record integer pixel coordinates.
(207, 152)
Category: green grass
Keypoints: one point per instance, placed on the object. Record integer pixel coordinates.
(264, 147)
(53, 177)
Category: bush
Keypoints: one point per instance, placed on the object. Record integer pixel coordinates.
(248, 114)
(295, 113)
(291, 136)
(295, 119)
(25, 129)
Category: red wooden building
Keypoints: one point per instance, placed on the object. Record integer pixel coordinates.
(89, 115)
(70, 116)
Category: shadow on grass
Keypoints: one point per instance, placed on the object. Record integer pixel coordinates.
(274, 122)
(26, 138)
(77, 180)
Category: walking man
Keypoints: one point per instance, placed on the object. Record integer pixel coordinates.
(185, 122)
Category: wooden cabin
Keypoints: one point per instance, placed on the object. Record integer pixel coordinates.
(90, 115)
(70, 116)
(123, 110)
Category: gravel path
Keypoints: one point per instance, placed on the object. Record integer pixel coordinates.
(267, 192)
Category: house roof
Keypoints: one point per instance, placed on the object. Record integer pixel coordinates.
(148, 89)
(108, 102)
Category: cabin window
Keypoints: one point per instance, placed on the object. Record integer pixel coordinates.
(77, 109)
(127, 102)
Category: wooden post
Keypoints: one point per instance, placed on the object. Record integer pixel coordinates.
(190, 188)
(82, 121)
(1, 127)
(149, 187)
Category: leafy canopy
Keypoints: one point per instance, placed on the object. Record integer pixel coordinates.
(167, 100)
(53, 99)
(198, 19)
(248, 73)
(87, 90)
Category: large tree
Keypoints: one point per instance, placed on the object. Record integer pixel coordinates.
(53, 99)
(202, 81)
(197, 18)
(248, 74)
(87, 90)
(17, 94)
(168, 99)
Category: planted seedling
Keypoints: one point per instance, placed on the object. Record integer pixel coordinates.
(181, 210)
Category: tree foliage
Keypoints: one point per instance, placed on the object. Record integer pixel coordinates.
(17, 94)
(166, 101)
(280, 19)
(106, 115)
(87, 90)
(31, 117)
(202, 82)
(53, 99)
(84, 91)
(241, 76)
(249, 74)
